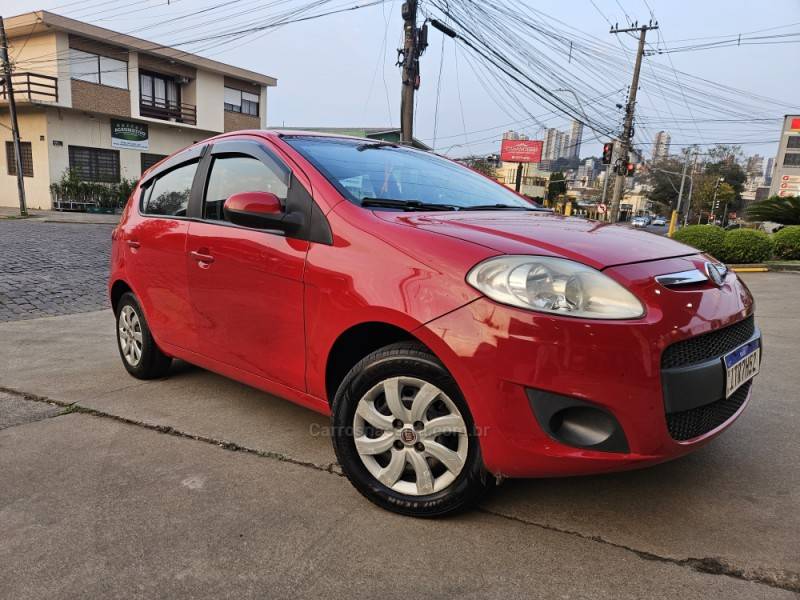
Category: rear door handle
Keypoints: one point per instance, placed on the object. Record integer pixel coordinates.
(133, 244)
(200, 257)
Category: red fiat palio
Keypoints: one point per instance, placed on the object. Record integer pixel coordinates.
(454, 332)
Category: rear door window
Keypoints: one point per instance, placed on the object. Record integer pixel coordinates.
(234, 173)
(169, 194)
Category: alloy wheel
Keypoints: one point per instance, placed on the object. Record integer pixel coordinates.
(410, 436)
(130, 335)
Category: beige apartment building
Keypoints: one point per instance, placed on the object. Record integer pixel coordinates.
(108, 105)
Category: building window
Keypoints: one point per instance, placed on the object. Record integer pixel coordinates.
(94, 164)
(148, 160)
(26, 154)
(791, 159)
(241, 102)
(793, 142)
(85, 66)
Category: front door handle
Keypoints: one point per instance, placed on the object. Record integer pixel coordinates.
(201, 257)
(133, 244)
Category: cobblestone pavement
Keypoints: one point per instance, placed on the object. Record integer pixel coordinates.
(52, 268)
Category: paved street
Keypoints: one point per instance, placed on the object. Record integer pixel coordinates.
(52, 268)
(197, 485)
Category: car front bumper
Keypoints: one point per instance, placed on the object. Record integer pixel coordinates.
(506, 360)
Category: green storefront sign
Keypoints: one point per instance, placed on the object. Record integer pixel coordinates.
(129, 135)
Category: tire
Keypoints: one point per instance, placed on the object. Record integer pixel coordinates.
(138, 350)
(396, 478)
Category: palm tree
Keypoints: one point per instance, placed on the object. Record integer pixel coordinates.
(784, 210)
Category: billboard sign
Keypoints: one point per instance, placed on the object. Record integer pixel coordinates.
(129, 135)
(521, 151)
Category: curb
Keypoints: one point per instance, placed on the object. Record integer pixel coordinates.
(784, 267)
(749, 268)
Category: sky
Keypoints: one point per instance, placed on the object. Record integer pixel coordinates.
(340, 70)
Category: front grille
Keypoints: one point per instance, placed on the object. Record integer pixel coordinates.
(694, 422)
(709, 345)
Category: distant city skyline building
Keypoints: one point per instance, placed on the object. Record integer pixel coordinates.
(575, 139)
(768, 170)
(661, 145)
(549, 147)
(755, 166)
(514, 135)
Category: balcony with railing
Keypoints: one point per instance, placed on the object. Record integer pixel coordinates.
(169, 110)
(30, 87)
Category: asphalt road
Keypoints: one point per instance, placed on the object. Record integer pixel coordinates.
(198, 486)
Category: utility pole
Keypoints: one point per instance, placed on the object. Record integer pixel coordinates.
(627, 129)
(12, 110)
(677, 210)
(415, 40)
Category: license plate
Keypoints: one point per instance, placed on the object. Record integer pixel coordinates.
(741, 365)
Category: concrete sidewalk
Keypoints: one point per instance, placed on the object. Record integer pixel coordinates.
(150, 510)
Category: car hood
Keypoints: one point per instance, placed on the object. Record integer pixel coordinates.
(593, 243)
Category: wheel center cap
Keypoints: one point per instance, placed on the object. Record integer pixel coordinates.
(408, 436)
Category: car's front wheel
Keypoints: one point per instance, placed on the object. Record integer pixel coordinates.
(404, 435)
(137, 348)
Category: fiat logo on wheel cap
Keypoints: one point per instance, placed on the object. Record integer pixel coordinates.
(408, 436)
(713, 274)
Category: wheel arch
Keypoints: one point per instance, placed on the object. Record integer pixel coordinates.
(118, 288)
(355, 343)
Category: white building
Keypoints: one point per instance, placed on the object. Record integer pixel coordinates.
(786, 177)
(575, 139)
(661, 145)
(108, 105)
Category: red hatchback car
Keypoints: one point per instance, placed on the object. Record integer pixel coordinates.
(455, 332)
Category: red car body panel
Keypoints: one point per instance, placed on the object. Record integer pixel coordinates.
(268, 310)
(596, 244)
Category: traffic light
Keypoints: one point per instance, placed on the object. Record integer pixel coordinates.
(630, 169)
(608, 152)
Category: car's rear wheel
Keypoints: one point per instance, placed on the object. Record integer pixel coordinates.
(137, 348)
(404, 435)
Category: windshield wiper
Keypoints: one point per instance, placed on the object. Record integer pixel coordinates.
(407, 205)
(498, 207)
(375, 146)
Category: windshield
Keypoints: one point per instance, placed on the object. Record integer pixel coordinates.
(362, 169)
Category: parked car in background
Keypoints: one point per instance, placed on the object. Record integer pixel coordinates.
(639, 221)
(455, 332)
(659, 221)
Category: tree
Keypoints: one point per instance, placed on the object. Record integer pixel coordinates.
(664, 179)
(481, 165)
(784, 210)
(703, 196)
(556, 186)
(724, 162)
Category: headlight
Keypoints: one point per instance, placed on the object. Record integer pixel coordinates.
(554, 285)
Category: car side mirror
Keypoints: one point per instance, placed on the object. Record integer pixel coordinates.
(259, 210)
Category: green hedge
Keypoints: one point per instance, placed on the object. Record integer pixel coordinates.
(708, 238)
(746, 246)
(737, 246)
(787, 243)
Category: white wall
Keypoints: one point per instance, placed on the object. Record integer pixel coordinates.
(208, 92)
(77, 129)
